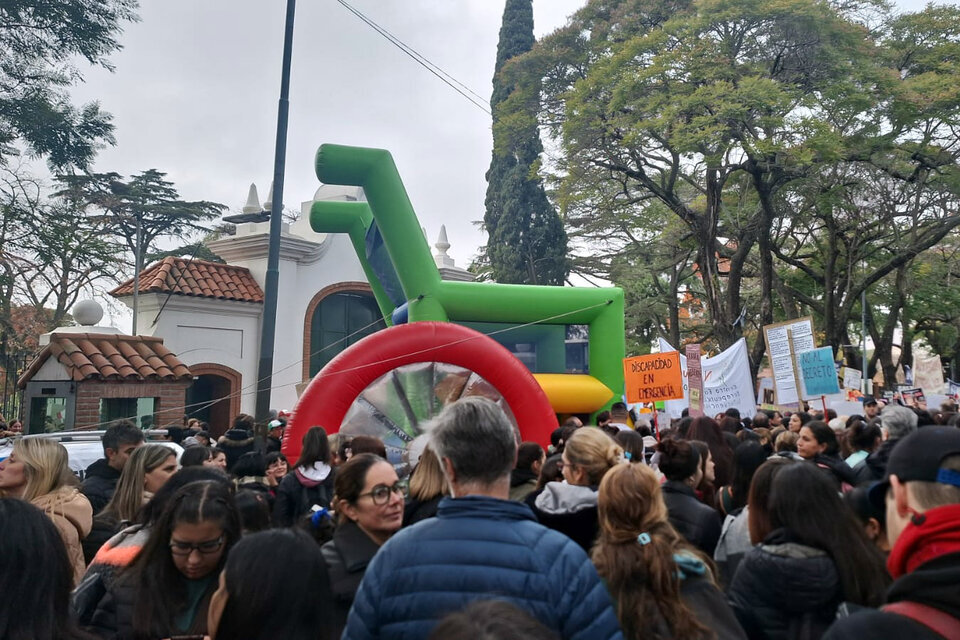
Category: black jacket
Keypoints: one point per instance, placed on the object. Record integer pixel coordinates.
(784, 590)
(294, 499)
(569, 509)
(104, 528)
(347, 557)
(874, 467)
(236, 442)
(416, 510)
(935, 584)
(836, 469)
(695, 521)
(113, 619)
(99, 483)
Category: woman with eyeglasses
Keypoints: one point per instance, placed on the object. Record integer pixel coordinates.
(368, 499)
(167, 590)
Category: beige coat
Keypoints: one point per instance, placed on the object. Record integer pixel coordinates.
(71, 512)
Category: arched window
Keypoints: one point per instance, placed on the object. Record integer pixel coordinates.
(339, 320)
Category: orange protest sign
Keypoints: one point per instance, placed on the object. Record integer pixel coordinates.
(653, 377)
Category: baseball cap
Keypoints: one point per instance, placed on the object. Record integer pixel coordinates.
(274, 424)
(917, 458)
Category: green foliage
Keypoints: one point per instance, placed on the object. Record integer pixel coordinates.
(40, 40)
(808, 149)
(526, 240)
(147, 200)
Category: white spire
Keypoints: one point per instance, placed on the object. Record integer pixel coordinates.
(441, 257)
(268, 203)
(253, 201)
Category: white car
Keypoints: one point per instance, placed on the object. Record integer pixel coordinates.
(84, 447)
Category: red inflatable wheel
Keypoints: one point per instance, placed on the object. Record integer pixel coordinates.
(393, 381)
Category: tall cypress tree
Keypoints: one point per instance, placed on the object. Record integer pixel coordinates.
(526, 242)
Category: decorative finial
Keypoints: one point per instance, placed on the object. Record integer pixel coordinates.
(268, 203)
(441, 257)
(253, 201)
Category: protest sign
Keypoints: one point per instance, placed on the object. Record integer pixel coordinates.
(657, 376)
(851, 378)
(928, 373)
(726, 382)
(818, 374)
(784, 339)
(912, 396)
(694, 380)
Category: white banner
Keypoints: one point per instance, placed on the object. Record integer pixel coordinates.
(928, 373)
(726, 382)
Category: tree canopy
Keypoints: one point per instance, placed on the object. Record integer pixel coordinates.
(804, 149)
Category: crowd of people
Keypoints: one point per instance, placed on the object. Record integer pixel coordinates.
(793, 527)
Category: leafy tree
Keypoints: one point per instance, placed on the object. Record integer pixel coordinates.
(40, 40)
(739, 116)
(526, 241)
(141, 210)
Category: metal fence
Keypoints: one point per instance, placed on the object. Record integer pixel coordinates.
(11, 368)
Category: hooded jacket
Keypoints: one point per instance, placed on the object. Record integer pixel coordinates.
(569, 509)
(523, 482)
(99, 483)
(692, 519)
(235, 443)
(71, 512)
(300, 490)
(475, 547)
(785, 590)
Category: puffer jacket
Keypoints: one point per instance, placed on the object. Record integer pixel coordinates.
(785, 590)
(347, 557)
(475, 548)
(300, 490)
(692, 519)
(71, 512)
(99, 483)
(235, 443)
(569, 509)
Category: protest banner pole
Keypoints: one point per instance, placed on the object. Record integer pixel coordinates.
(656, 427)
(796, 376)
(823, 399)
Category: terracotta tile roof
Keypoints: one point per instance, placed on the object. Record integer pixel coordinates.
(93, 356)
(196, 278)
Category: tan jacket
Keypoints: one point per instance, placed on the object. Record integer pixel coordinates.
(71, 512)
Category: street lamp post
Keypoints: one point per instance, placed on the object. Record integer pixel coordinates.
(268, 326)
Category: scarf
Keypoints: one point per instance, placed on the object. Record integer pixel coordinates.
(929, 536)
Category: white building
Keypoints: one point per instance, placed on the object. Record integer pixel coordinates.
(209, 314)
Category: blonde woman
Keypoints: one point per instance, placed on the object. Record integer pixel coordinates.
(37, 471)
(427, 488)
(570, 507)
(147, 469)
(661, 585)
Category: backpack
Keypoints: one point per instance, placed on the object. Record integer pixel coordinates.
(941, 623)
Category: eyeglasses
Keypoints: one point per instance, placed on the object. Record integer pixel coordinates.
(381, 493)
(178, 548)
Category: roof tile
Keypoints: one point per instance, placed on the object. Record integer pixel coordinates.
(196, 278)
(89, 356)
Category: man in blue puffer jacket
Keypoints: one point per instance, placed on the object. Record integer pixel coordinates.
(480, 546)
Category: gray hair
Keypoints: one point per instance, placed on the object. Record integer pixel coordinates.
(478, 439)
(899, 421)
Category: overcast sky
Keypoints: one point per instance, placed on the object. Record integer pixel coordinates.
(195, 94)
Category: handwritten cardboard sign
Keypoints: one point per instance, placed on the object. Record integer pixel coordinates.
(818, 372)
(653, 377)
(694, 380)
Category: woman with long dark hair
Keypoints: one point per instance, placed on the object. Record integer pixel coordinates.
(735, 536)
(286, 564)
(863, 439)
(695, 521)
(707, 430)
(35, 576)
(813, 556)
(310, 483)
(167, 590)
(661, 586)
(369, 502)
(817, 443)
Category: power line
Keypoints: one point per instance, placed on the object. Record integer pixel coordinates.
(475, 99)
